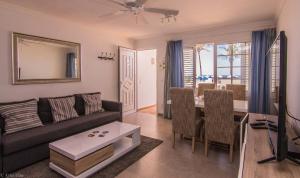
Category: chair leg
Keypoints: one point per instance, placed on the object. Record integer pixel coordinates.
(231, 153)
(181, 136)
(202, 134)
(206, 146)
(193, 144)
(174, 139)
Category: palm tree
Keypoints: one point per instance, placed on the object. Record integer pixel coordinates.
(231, 50)
(199, 48)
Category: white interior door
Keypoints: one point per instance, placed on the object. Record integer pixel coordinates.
(127, 77)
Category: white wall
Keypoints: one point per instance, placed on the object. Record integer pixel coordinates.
(288, 21)
(226, 34)
(97, 75)
(146, 69)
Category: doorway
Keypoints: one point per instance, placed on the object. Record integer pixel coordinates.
(146, 81)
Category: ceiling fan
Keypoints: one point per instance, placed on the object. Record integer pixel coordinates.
(137, 8)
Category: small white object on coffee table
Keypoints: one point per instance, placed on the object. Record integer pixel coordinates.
(80, 145)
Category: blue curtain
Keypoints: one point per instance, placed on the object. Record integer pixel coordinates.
(70, 72)
(260, 81)
(174, 76)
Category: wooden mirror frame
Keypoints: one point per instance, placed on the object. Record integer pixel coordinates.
(15, 78)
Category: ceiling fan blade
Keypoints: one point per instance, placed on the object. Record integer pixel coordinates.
(118, 3)
(109, 16)
(162, 11)
(140, 2)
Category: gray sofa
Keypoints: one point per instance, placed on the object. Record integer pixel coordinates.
(23, 148)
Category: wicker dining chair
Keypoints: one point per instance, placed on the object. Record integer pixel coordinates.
(204, 86)
(239, 91)
(183, 112)
(219, 118)
(201, 88)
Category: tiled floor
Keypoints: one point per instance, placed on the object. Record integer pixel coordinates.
(166, 162)
(149, 110)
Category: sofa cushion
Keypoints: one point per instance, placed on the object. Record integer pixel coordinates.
(20, 116)
(79, 104)
(29, 138)
(2, 122)
(44, 109)
(92, 103)
(63, 108)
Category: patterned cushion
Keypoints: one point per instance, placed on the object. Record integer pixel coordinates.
(92, 103)
(20, 116)
(63, 108)
(44, 109)
(79, 102)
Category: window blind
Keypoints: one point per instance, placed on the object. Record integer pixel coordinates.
(189, 67)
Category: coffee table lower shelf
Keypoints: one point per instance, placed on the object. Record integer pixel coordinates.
(121, 147)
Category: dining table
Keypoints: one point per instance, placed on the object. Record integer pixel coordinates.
(239, 106)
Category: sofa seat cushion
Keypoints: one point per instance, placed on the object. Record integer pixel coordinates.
(29, 138)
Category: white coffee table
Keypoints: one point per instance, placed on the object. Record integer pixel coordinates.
(82, 145)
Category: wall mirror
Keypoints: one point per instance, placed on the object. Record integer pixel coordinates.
(44, 60)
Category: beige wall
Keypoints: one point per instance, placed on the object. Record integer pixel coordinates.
(97, 75)
(226, 34)
(289, 22)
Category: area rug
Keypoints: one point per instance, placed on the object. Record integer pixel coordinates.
(41, 169)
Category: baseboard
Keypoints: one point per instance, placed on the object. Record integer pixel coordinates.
(160, 114)
(129, 112)
(147, 107)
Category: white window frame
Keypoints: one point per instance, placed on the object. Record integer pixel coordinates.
(231, 66)
(215, 61)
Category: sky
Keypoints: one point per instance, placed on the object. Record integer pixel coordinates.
(207, 61)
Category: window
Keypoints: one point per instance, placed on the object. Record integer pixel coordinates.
(233, 63)
(204, 63)
(275, 77)
(217, 63)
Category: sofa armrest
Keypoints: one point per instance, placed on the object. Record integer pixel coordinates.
(1, 154)
(113, 106)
